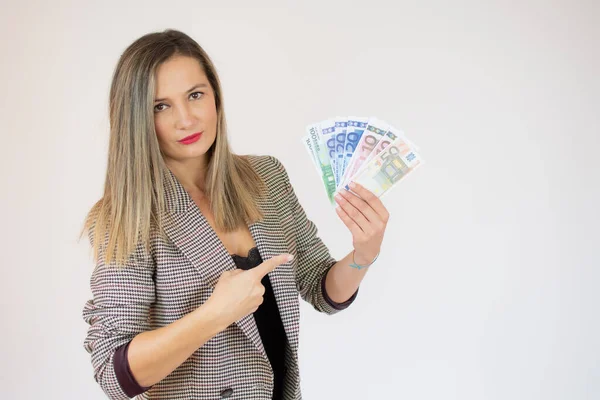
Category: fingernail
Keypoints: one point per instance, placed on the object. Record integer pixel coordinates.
(290, 257)
(352, 185)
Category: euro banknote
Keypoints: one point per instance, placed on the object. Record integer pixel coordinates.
(362, 149)
(314, 144)
(387, 168)
(371, 136)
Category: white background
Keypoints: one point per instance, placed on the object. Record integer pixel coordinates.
(487, 285)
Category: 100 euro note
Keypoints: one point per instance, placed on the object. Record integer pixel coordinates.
(326, 132)
(318, 152)
(390, 166)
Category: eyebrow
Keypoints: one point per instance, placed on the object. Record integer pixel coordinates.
(199, 85)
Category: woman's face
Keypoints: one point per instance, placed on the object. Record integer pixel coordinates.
(184, 105)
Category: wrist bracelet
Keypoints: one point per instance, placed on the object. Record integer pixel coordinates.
(355, 265)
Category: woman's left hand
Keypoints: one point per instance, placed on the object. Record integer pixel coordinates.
(366, 217)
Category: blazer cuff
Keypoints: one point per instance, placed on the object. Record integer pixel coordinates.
(123, 373)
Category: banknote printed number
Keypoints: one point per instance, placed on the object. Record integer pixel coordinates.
(393, 167)
(352, 139)
(368, 146)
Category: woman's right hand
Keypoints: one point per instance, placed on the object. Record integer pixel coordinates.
(240, 292)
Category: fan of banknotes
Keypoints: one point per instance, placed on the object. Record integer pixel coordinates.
(365, 150)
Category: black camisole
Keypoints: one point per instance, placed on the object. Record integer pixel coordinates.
(268, 321)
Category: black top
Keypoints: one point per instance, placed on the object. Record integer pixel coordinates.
(268, 322)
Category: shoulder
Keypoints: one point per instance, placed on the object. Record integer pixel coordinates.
(270, 168)
(265, 163)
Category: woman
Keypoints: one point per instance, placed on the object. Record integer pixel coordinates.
(194, 296)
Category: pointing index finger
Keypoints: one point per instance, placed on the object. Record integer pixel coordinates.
(270, 264)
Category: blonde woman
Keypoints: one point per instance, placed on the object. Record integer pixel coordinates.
(194, 293)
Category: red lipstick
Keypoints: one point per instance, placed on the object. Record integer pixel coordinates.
(191, 139)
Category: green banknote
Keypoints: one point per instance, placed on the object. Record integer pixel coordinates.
(321, 159)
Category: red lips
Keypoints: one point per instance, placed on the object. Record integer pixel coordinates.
(191, 139)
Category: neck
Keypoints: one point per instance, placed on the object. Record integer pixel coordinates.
(191, 173)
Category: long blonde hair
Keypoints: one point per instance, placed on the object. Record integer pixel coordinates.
(137, 177)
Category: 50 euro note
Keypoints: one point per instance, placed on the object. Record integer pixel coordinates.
(391, 135)
(390, 166)
(320, 157)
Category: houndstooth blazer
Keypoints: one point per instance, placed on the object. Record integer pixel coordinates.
(178, 275)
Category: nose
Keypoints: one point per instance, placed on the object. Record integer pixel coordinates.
(185, 117)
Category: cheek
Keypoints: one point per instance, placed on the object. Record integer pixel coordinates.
(208, 119)
(159, 126)
(209, 111)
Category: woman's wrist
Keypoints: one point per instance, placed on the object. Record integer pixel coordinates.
(363, 261)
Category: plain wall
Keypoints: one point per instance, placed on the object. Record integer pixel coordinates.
(487, 284)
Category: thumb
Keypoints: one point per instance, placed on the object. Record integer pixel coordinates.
(272, 263)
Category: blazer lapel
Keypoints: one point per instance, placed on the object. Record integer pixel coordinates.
(189, 230)
(270, 242)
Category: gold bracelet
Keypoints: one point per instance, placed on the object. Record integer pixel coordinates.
(355, 265)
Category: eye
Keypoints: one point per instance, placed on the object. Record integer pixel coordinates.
(157, 109)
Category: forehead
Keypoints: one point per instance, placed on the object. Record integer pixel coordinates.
(178, 74)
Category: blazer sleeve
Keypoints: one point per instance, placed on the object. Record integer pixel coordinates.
(118, 311)
(313, 259)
